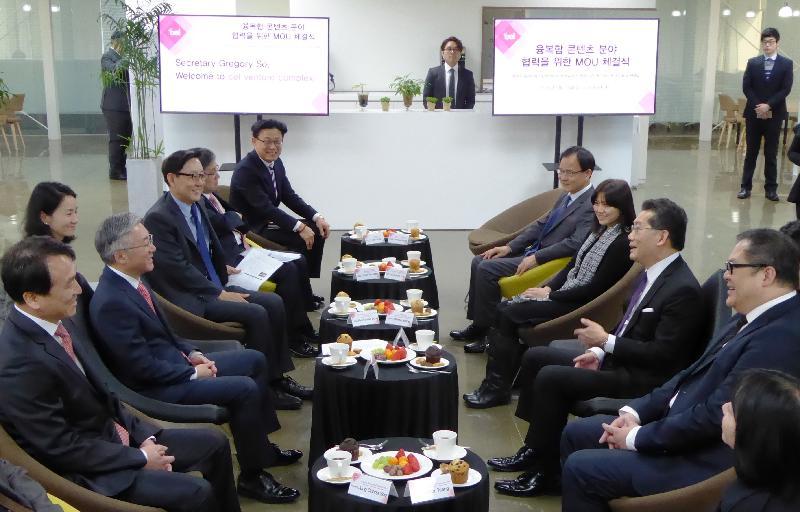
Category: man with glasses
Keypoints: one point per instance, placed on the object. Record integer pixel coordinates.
(259, 186)
(449, 79)
(766, 83)
(556, 235)
(670, 438)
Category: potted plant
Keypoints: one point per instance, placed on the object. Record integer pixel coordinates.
(5, 94)
(446, 101)
(385, 103)
(406, 87)
(139, 51)
(431, 102)
(363, 97)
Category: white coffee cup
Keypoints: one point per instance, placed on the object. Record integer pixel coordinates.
(445, 441)
(424, 338)
(349, 265)
(341, 305)
(413, 294)
(412, 224)
(361, 232)
(414, 255)
(338, 463)
(339, 352)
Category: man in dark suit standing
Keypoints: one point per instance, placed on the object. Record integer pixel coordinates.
(190, 271)
(67, 420)
(449, 79)
(146, 356)
(766, 83)
(671, 438)
(556, 235)
(659, 335)
(116, 106)
(259, 185)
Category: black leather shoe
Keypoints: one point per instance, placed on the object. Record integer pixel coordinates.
(121, 176)
(316, 303)
(743, 194)
(533, 483)
(470, 332)
(292, 387)
(773, 196)
(264, 488)
(285, 457)
(484, 399)
(524, 459)
(476, 347)
(303, 348)
(283, 401)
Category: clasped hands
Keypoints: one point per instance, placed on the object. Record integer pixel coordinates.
(157, 458)
(527, 263)
(206, 369)
(616, 433)
(762, 110)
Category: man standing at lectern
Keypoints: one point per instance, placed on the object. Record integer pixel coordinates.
(766, 83)
(450, 79)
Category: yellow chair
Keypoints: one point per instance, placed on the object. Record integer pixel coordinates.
(514, 285)
(66, 507)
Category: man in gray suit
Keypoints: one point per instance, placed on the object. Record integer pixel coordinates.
(116, 106)
(556, 235)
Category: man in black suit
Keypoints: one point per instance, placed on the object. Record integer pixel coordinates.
(190, 271)
(659, 335)
(146, 356)
(670, 438)
(67, 420)
(556, 235)
(449, 79)
(116, 106)
(766, 83)
(259, 185)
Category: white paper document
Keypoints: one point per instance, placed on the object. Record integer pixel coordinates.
(256, 267)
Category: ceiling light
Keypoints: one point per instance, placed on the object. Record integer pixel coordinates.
(785, 11)
(676, 13)
(796, 12)
(726, 12)
(750, 14)
(55, 8)
(26, 7)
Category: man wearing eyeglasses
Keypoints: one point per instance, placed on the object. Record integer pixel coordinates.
(258, 187)
(449, 79)
(766, 83)
(670, 438)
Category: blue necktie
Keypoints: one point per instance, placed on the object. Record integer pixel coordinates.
(632, 304)
(554, 217)
(202, 245)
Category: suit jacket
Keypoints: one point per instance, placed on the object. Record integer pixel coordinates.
(794, 157)
(665, 332)
(772, 91)
(224, 225)
(115, 96)
(180, 275)
(139, 347)
(253, 195)
(436, 86)
(693, 422)
(61, 418)
(565, 237)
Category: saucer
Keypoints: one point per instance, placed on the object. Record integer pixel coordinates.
(405, 303)
(473, 477)
(428, 313)
(324, 475)
(333, 312)
(353, 305)
(362, 453)
(442, 366)
(405, 262)
(413, 346)
(458, 453)
(350, 361)
(343, 271)
(422, 272)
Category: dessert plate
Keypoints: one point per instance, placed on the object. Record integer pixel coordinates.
(458, 453)
(324, 475)
(350, 361)
(415, 364)
(410, 354)
(333, 311)
(425, 465)
(428, 313)
(473, 477)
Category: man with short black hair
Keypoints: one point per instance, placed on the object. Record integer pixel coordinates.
(449, 79)
(116, 106)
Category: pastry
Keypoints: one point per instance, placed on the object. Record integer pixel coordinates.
(417, 306)
(350, 445)
(433, 354)
(342, 294)
(344, 257)
(458, 469)
(414, 265)
(346, 339)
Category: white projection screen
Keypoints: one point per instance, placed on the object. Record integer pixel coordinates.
(243, 64)
(575, 66)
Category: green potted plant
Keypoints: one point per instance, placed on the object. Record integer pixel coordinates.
(363, 97)
(406, 87)
(431, 102)
(5, 94)
(446, 101)
(385, 103)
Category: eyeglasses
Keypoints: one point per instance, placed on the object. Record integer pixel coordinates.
(148, 244)
(270, 142)
(636, 228)
(565, 172)
(452, 50)
(769, 41)
(729, 265)
(195, 177)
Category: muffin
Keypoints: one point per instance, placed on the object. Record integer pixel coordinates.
(350, 445)
(417, 306)
(346, 339)
(458, 469)
(342, 294)
(433, 354)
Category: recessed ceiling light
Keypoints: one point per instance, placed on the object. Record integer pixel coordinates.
(726, 12)
(26, 7)
(55, 8)
(676, 13)
(750, 14)
(785, 11)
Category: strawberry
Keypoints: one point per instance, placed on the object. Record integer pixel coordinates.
(400, 453)
(407, 469)
(413, 462)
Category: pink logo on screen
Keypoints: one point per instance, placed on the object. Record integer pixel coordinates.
(505, 36)
(647, 102)
(171, 31)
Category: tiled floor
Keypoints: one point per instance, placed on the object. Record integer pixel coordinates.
(702, 178)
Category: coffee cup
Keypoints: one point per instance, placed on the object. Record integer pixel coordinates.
(349, 265)
(413, 255)
(339, 352)
(361, 232)
(445, 441)
(338, 463)
(411, 224)
(341, 305)
(424, 338)
(413, 294)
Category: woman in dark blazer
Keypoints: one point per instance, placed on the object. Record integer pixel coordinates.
(794, 156)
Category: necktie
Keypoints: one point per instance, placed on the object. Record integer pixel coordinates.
(146, 296)
(451, 87)
(202, 246)
(221, 210)
(66, 343)
(634, 302)
(554, 217)
(730, 334)
(271, 167)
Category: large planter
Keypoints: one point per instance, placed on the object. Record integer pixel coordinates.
(408, 100)
(144, 184)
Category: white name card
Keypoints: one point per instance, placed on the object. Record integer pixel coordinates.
(396, 273)
(374, 237)
(430, 488)
(362, 318)
(400, 319)
(371, 488)
(398, 238)
(366, 272)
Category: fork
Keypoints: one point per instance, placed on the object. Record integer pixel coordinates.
(416, 370)
(374, 447)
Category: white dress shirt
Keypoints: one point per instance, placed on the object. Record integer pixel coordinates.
(447, 68)
(298, 226)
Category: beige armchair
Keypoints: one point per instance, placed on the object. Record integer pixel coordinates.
(700, 497)
(190, 326)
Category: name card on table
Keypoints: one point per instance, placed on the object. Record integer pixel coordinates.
(372, 488)
(431, 488)
(374, 237)
(396, 273)
(400, 319)
(365, 272)
(398, 238)
(362, 318)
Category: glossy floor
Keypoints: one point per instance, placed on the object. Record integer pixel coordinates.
(702, 178)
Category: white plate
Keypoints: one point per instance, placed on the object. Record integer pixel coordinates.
(405, 262)
(397, 308)
(409, 231)
(325, 476)
(421, 272)
(333, 311)
(350, 361)
(406, 304)
(425, 465)
(353, 304)
(362, 453)
(414, 363)
(421, 237)
(473, 477)
(410, 354)
(377, 263)
(413, 346)
(458, 453)
(343, 271)
(430, 313)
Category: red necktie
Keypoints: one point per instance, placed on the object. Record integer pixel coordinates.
(149, 300)
(215, 203)
(66, 343)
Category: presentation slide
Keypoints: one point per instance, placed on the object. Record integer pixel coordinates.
(243, 64)
(575, 66)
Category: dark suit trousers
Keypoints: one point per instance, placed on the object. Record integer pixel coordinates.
(484, 292)
(293, 242)
(120, 128)
(296, 298)
(513, 315)
(770, 131)
(196, 449)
